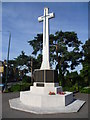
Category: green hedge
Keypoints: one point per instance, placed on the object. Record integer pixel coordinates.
(20, 87)
(71, 89)
(15, 88)
(26, 79)
(75, 88)
(85, 90)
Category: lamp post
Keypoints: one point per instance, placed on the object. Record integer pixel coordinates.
(7, 61)
(7, 57)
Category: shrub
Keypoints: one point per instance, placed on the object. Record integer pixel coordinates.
(25, 86)
(85, 90)
(20, 87)
(71, 89)
(15, 88)
(26, 79)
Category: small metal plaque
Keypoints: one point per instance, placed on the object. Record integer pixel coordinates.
(40, 85)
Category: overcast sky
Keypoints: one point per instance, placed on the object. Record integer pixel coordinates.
(21, 19)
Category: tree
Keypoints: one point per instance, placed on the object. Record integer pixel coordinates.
(85, 72)
(86, 51)
(21, 59)
(36, 43)
(67, 52)
(24, 59)
(64, 49)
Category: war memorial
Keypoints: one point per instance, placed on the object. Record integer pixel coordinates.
(46, 96)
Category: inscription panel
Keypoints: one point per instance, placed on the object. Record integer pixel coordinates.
(49, 76)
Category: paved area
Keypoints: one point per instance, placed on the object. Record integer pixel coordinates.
(7, 112)
(72, 107)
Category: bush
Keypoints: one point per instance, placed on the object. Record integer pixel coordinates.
(25, 86)
(26, 79)
(15, 88)
(71, 89)
(85, 90)
(20, 87)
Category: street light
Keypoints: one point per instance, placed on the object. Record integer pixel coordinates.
(7, 60)
(7, 57)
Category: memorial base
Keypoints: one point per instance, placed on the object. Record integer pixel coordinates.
(45, 103)
(45, 100)
(39, 100)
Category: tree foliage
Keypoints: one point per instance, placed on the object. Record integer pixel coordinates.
(24, 59)
(21, 59)
(85, 72)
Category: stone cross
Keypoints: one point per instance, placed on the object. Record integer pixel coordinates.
(45, 19)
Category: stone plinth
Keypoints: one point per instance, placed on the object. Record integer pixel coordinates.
(53, 87)
(45, 81)
(47, 101)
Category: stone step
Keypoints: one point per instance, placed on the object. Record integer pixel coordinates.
(45, 90)
(40, 100)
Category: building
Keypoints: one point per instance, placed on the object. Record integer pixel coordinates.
(1, 68)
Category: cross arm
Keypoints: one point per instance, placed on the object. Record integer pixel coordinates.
(51, 15)
(40, 19)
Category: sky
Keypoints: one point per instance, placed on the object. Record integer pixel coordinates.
(21, 19)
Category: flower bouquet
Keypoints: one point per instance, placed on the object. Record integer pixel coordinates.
(51, 93)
